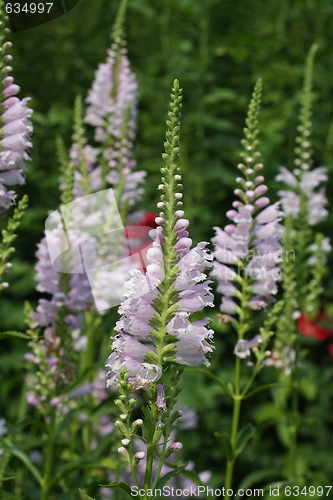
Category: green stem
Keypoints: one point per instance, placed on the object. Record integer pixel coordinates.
(234, 427)
(49, 458)
(294, 413)
(92, 322)
(150, 449)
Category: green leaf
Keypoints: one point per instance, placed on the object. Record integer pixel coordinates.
(195, 479)
(85, 495)
(243, 437)
(224, 441)
(14, 334)
(77, 465)
(65, 421)
(211, 376)
(269, 412)
(6, 478)
(263, 388)
(119, 484)
(8, 446)
(279, 484)
(166, 478)
(256, 477)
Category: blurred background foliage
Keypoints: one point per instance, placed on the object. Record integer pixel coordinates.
(217, 49)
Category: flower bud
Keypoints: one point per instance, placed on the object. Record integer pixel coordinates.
(261, 189)
(138, 422)
(237, 204)
(176, 446)
(262, 202)
(231, 214)
(55, 401)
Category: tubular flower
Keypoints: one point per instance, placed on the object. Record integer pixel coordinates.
(15, 131)
(248, 251)
(155, 315)
(78, 297)
(304, 184)
(112, 110)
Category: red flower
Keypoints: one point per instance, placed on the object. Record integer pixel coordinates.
(138, 239)
(330, 350)
(317, 327)
(147, 219)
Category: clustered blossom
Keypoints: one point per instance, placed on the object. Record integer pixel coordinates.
(134, 342)
(243, 347)
(15, 133)
(112, 110)
(304, 182)
(249, 249)
(155, 315)
(251, 243)
(78, 298)
(52, 353)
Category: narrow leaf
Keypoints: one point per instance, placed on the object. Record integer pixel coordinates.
(24, 458)
(21, 335)
(166, 478)
(224, 441)
(195, 479)
(6, 478)
(263, 388)
(243, 437)
(209, 375)
(257, 477)
(65, 421)
(119, 484)
(85, 495)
